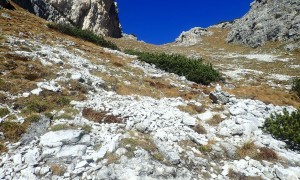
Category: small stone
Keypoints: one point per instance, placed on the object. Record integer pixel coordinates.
(81, 164)
(36, 91)
(247, 158)
(26, 94)
(205, 116)
(44, 170)
(76, 76)
(17, 159)
(189, 121)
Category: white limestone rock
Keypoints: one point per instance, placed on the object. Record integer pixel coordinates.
(59, 138)
(193, 36)
(98, 16)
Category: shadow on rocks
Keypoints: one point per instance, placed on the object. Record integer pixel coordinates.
(35, 130)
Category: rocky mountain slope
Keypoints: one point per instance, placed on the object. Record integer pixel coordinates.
(74, 110)
(268, 20)
(98, 16)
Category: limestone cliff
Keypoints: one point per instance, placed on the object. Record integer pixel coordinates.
(99, 16)
(268, 20)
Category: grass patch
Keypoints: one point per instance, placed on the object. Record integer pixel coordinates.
(193, 69)
(191, 109)
(46, 102)
(58, 170)
(3, 148)
(4, 112)
(285, 127)
(143, 142)
(33, 118)
(248, 149)
(235, 175)
(296, 86)
(200, 129)
(251, 150)
(100, 117)
(12, 130)
(83, 34)
(86, 128)
(266, 94)
(205, 148)
(216, 120)
(60, 127)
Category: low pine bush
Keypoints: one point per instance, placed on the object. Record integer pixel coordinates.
(83, 34)
(296, 86)
(285, 127)
(193, 69)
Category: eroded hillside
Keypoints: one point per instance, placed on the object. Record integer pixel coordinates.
(74, 110)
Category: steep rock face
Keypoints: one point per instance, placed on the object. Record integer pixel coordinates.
(192, 37)
(99, 16)
(268, 20)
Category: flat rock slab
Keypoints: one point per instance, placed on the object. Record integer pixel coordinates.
(59, 138)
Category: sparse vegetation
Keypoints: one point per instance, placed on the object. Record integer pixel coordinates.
(58, 170)
(200, 129)
(3, 148)
(216, 120)
(285, 127)
(60, 127)
(83, 34)
(4, 112)
(144, 142)
(32, 118)
(100, 117)
(205, 148)
(191, 109)
(12, 130)
(87, 128)
(235, 175)
(296, 86)
(266, 154)
(251, 150)
(193, 69)
(247, 149)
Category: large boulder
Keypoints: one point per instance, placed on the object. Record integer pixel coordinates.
(98, 16)
(268, 20)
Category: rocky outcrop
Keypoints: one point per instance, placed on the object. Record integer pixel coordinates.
(193, 36)
(98, 16)
(268, 20)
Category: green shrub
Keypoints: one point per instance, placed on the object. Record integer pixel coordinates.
(193, 69)
(296, 86)
(285, 127)
(83, 34)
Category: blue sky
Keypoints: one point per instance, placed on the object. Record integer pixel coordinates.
(161, 21)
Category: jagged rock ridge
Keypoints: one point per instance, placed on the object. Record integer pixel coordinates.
(99, 16)
(268, 20)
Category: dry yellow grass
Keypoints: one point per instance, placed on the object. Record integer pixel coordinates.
(259, 153)
(58, 170)
(267, 95)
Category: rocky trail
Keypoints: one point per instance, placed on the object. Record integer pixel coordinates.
(108, 115)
